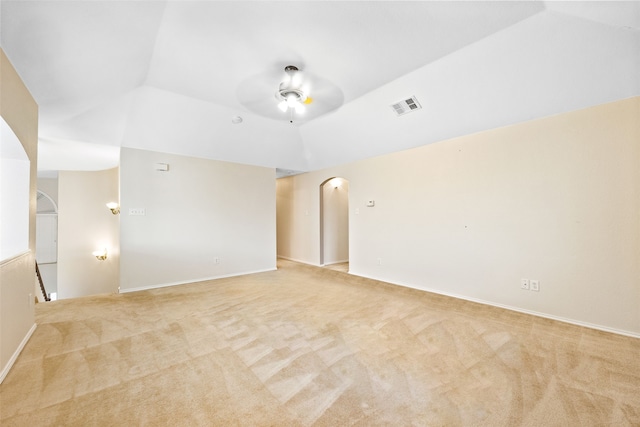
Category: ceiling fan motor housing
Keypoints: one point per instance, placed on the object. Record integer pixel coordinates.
(289, 89)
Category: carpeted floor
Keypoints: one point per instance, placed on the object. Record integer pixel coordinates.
(312, 346)
(341, 266)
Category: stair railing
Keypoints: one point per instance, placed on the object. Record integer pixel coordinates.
(44, 292)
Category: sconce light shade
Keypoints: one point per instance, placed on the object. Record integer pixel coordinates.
(115, 208)
(101, 254)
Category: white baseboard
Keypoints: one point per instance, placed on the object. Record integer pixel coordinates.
(13, 358)
(203, 279)
(511, 308)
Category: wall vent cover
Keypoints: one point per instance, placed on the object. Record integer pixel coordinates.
(406, 106)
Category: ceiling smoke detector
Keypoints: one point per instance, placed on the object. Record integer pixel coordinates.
(406, 106)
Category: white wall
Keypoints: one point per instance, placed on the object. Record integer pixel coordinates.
(85, 224)
(50, 187)
(195, 212)
(14, 204)
(14, 194)
(335, 221)
(555, 199)
(17, 320)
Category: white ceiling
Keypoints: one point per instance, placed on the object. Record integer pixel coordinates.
(169, 76)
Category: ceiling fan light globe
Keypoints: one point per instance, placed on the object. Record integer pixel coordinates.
(283, 106)
(299, 108)
(292, 100)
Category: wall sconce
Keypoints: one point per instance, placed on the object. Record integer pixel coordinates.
(336, 182)
(101, 254)
(115, 208)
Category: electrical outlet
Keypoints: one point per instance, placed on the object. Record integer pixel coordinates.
(534, 285)
(524, 284)
(379, 261)
(216, 260)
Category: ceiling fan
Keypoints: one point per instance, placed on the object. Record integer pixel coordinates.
(293, 93)
(299, 96)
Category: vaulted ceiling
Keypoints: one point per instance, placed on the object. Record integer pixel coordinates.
(170, 76)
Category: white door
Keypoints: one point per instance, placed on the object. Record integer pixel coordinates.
(46, 238)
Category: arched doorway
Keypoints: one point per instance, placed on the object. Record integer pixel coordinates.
(334, 223)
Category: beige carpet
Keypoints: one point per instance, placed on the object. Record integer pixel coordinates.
(341, 266)
(312, 346)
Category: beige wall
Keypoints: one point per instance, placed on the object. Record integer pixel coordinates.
(285, 217)
(298, 216)
(85, 224)
(555, 199)
(19, 110)
(195, 212)
(335, 222)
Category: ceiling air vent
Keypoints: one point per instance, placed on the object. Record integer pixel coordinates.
(406, 106)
